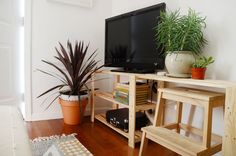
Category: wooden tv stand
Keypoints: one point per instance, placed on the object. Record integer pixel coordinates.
(229, 138)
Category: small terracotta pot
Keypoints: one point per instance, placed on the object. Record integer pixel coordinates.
(198, 73)
(71, 110)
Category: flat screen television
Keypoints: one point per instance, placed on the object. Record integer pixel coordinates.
(130, 41)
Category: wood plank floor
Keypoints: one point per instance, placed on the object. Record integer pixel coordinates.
(96, 137)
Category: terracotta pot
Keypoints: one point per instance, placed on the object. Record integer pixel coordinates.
(71, 109)
(198, 73)
(179, 63)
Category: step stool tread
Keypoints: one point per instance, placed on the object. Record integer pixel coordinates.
(169, 138)
(193, 93)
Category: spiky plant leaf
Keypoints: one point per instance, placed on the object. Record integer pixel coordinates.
(78, 69)
(178, 32)
(51, 89)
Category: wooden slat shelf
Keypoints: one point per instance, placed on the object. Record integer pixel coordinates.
(145, 107)
(102, 118)
(229, 141)
(109, 97)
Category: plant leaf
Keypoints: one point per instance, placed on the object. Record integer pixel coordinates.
(51, 89)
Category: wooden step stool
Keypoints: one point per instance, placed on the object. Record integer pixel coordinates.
(164, 134)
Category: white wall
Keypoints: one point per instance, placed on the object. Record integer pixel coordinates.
(53, 22)
(220, 33)
(123, 6)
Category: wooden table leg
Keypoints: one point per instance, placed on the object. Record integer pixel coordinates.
(190, 118)
(117, 80)
(178, 117)
(161, 84)
(92, 99)
(143, 145)
(229, 139)
(132, 113)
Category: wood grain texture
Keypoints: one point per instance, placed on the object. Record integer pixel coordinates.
(132, 113)
(161, 84)
(179, 115)
(159, 110)
(206, 82)
(197, 131)
(172, 140)
(229, 139)
(178, 143)
(194, 93)
(96, 137)
(143, 145)
(92, 98)
(207, 128)
(117, 80)
(109, 97)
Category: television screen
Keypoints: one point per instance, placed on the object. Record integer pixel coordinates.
(130, 40)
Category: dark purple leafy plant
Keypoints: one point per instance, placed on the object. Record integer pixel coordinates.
(78, 69)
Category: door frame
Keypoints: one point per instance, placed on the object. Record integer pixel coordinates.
(28, 60)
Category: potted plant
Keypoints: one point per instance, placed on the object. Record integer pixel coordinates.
(74, 73)
(181, 38)
(199, 67)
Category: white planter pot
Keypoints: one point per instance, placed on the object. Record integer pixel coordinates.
(73, 97)
(179, 64)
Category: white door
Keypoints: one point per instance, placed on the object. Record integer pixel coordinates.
(10, 47)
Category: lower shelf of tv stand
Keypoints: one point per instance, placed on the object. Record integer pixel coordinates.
(109, 97)
(102, 118)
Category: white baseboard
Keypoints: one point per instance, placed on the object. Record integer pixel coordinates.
(58, 115)
(46, 116)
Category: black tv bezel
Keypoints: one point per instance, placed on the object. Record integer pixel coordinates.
(161, 6)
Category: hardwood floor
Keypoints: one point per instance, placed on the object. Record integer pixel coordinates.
(96, 137)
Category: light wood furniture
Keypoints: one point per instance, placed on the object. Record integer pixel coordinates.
(182, 145)
(229, 138)
(133, 135)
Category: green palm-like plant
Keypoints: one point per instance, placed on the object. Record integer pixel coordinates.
(78, 70)
(178, 32)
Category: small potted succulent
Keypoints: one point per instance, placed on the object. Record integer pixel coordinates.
(199, 67)
(181, 38)
(74, 71)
